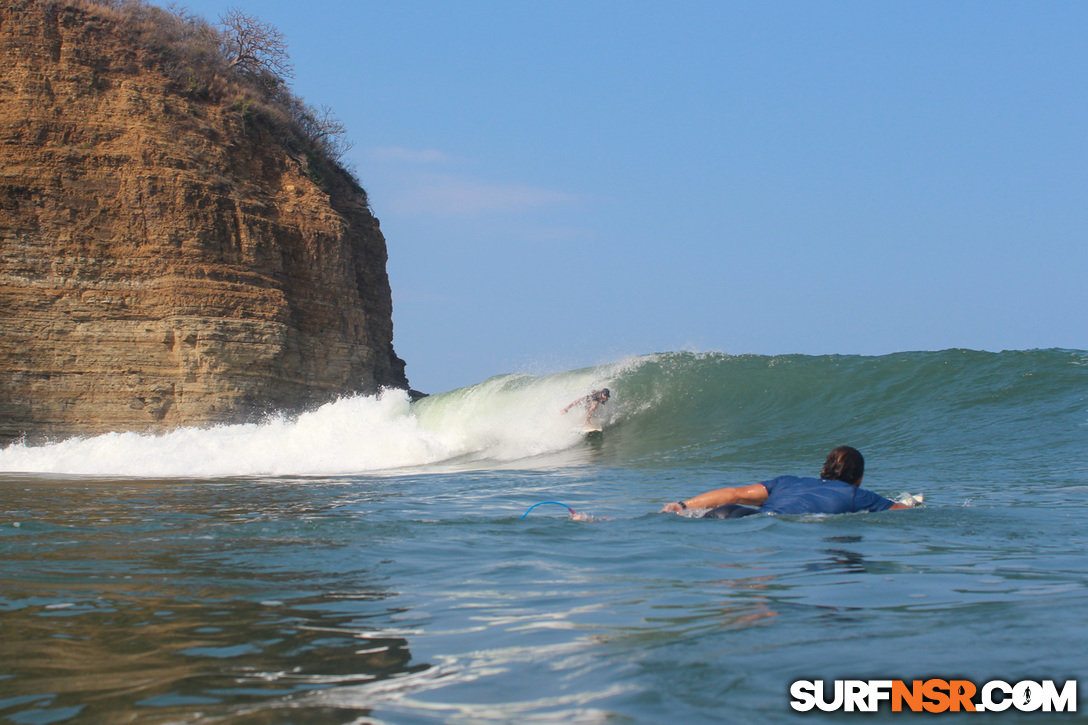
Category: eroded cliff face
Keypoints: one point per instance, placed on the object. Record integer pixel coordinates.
(164, 261)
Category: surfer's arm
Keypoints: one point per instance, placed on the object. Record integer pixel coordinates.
(752, 495)
(574, 403)
(897, 506)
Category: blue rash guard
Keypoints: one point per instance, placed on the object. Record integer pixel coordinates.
(793, 495)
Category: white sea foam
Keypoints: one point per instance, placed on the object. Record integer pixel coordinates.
(500, 421)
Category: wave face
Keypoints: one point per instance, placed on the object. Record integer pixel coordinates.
(955, 410)
(929, 415)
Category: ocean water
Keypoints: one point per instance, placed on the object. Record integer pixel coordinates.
(369, 562)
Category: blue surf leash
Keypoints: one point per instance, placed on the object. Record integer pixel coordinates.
(568, 508)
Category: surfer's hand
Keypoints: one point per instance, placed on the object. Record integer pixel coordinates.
(671, 508)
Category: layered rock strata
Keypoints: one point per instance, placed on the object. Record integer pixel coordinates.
(164, 260)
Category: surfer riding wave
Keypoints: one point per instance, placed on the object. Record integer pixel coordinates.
(592, 402)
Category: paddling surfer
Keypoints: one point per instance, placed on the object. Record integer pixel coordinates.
(593, 400)
(836, 491)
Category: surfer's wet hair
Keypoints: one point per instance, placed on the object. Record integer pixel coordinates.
(844, 464)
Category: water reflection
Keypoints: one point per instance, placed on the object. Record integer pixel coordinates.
(757, 600)
(160, 656)
(844, 560)
(840, 559)
(172, 602)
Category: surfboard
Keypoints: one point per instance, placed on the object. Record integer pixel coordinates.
(909, 500)
(592, 430)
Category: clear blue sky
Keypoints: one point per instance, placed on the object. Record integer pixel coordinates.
(566, 183)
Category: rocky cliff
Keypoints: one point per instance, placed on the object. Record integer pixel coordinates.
(165, 259)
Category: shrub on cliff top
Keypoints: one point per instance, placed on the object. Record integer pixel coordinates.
(242, 62)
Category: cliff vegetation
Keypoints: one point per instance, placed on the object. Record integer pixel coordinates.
(180, 243)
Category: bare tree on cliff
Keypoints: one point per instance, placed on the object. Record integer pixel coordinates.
(254, 48)
(330, 133)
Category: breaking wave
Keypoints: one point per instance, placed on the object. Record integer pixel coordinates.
(669, 409)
